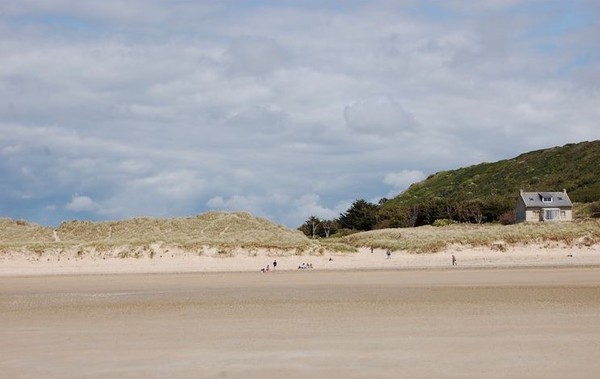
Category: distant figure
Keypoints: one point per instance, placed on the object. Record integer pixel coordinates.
(267, 269)
(274, 265)
(371, 249)
(330, 259)
(453, 260)
(388, 253)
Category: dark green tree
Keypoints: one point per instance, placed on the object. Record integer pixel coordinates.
(404, 216)
(362, 216)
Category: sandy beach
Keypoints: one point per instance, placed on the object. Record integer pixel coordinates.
(172, 260)
(489, 323)
(528, 311)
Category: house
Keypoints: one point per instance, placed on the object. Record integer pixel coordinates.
(544, 206)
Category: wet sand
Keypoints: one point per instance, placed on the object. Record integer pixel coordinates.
(498, 323)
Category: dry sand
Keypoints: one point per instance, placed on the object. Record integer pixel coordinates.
(172, 260)
(484, 323)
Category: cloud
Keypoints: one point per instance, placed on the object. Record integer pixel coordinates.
(255, 56)
(379, 115)
(282, 109)
(311, 205)
(260, 118)
(81, 204)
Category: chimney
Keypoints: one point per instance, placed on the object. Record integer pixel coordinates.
(564, 190)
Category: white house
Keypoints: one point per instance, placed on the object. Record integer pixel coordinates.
(544, 206)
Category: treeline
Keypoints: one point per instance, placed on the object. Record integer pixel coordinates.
(363, 215)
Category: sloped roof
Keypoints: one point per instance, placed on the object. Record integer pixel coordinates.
(534, 199)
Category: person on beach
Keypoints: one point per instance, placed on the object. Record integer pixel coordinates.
(388, 253)
(274, 265)
(453, 260)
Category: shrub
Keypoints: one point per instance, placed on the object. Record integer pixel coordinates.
(508, 218)
(443, 222)
(595, 209)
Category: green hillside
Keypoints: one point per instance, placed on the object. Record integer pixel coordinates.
(491, 188)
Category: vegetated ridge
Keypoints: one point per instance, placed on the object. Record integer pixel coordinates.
(229, 232)
(492, 188)
(431, 239)
(215, 229)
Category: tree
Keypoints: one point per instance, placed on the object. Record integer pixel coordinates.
(328, 226)
(316, 227)
(470, 211)
(362, 215)
(495, 207)
(431, 210)
(403, 216)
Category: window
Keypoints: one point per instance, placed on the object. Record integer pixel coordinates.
(546, 199)
(551, 214)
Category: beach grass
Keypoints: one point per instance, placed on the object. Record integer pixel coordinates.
(430, 239)
(223, 231)
(226, 233)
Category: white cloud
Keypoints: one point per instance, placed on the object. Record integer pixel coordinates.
(11, 150)
(81, 204)
(379, 115)
(255, 56)
(284, 110)
(310, 205)
(260, 118)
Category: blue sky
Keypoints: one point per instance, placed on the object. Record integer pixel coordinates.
(284, 109)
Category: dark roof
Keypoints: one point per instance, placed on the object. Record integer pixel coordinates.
(535, 199)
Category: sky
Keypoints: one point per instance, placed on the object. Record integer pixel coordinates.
(285, 109)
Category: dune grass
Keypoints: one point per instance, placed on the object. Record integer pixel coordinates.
(228, 232)
(429, 239)
(214, 229)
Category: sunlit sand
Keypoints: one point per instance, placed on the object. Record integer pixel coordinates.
(496, 323)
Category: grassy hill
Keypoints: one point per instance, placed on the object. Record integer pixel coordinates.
(574, 167)
(494, 186)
